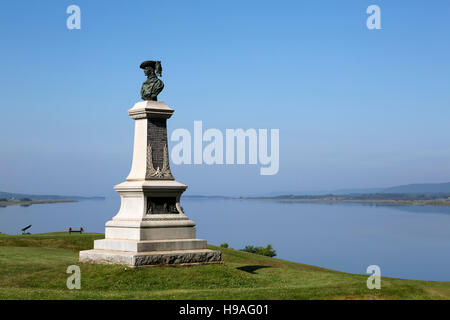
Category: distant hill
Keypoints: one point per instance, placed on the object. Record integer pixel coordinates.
(420, 188)
(9, 195)
(204, 197)
(416, 188)
(353, 191)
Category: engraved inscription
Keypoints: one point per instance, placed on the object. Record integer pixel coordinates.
(158, 167)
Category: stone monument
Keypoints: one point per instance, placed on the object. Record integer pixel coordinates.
(150, 227)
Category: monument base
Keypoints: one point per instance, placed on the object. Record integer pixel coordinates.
(135, 253)
(135, 259)
(150, 227)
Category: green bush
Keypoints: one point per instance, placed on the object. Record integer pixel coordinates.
(267, 251)
(224, 245)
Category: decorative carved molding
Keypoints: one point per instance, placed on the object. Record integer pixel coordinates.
(182, 218)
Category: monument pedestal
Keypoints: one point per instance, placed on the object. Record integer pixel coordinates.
(150, 227)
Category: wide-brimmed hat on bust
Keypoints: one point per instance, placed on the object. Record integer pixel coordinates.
(149, 63)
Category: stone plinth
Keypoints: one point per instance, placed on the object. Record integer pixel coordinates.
(150, 227)
(182, 257)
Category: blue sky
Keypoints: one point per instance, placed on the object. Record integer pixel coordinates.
(355, 107)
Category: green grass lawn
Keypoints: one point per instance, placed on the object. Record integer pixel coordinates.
(34, 267)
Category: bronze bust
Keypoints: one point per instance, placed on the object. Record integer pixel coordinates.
(153, 85)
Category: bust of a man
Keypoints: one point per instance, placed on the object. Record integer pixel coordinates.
(153, 85)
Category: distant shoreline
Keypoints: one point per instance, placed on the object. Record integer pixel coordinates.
(25, 203)
(396, 202)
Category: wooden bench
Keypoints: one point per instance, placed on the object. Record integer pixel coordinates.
(75, 229)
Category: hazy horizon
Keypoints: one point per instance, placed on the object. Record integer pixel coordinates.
(273, 193)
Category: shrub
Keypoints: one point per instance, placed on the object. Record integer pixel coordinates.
(224, 245)
(267, 251)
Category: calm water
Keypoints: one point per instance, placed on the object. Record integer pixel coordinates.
(410, 242)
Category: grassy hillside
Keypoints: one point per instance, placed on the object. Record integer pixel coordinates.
(34, 267)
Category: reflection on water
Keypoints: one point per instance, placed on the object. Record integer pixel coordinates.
(405, 241)
(424, 209)
(408, 208)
